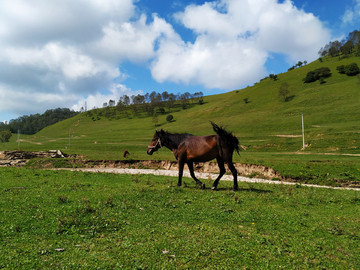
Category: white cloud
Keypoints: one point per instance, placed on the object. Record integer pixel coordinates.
(133, 41)
(57, 53)
(60, 53)
(56, 58)
(234, 40)
(97, 100)
(352, 13)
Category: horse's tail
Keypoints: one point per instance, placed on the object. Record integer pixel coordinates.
(227, 136)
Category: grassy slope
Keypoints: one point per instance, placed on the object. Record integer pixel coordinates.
(330, 111)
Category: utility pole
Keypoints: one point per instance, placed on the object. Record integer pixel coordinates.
(18, 137)
(303, 132)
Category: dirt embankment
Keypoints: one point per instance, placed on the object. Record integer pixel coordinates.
(19, 158)
(256, 171)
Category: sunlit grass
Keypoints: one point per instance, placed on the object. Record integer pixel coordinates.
(61, 219)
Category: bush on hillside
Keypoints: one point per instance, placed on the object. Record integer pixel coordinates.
(341, 69)
(352, 69)
(316, 74)
(169, 118)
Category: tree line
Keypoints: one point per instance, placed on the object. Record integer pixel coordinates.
(148, 105)
(31, 124)
(344, 47)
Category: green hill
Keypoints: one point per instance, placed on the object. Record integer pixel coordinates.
(268, 128)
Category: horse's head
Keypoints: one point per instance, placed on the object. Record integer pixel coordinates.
(155, 143)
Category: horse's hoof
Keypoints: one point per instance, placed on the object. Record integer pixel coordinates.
(213, 188)
(202, 186)
(235, 189)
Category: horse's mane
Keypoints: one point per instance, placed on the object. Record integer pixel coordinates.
(174, 138)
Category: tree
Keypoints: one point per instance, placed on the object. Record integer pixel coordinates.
(354, 37)
(334, 48)
(284, 91)
(198, 97)
(155, 118)
(183, 101)
(120, 106)
(299, 64)
(171, 101)
(347, 47)
(5, 136)
(126, 100)
(111, 103)
(34, 123)
(169, 118)
(165, 96)
(273, 77)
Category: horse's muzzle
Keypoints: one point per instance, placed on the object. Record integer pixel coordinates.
(150, 151)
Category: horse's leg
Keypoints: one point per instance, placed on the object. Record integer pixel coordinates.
(234, 173)
(220, 162)
(181, 169)
(191, 169)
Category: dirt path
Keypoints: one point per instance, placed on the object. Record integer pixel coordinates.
(198, 175)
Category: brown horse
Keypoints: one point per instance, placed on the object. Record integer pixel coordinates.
(188, 148)
(126, 153)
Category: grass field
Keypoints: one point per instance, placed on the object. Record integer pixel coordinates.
(75, 220)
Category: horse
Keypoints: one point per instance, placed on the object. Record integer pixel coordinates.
(188, 148)
(126, 153)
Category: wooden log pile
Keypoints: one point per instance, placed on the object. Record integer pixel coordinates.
(19, 158)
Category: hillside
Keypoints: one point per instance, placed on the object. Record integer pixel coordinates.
(330, 111)
(268, 128)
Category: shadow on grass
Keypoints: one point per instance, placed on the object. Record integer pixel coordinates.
(255, 190)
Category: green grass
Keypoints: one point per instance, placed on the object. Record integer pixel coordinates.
(331, 114)
(76, 220)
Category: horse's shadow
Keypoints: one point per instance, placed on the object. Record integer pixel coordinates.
(255, 190)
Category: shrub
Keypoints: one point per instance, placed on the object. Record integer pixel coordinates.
(316, 74)
(169, 118)
(352, 69)
(341, 69)
(310, 77)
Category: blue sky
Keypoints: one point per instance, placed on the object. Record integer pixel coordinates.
(66, 53)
